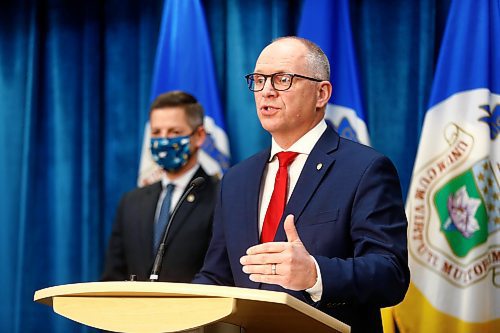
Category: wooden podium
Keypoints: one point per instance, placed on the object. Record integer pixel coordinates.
(154, 307)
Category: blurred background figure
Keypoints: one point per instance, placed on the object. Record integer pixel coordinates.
(177, 134)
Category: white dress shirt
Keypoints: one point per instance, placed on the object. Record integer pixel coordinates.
(303, 146)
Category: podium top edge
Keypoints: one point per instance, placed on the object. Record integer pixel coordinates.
(160, 289)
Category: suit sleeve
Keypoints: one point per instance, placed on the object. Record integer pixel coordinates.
(115, 268)
(378, 272)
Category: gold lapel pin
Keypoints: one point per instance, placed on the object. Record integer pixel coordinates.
(190, 198)
(319, 166)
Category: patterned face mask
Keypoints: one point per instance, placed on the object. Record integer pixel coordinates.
(171, 153)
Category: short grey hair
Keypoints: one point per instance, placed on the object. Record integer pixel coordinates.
(316, 59)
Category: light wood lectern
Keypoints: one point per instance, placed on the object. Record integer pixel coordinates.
(154, 307)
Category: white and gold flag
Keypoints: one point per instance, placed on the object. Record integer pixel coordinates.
(453, 204)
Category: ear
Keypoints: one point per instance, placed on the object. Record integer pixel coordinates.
(199, 136)
(324, 93)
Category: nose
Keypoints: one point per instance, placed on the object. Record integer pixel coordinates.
(268, 88)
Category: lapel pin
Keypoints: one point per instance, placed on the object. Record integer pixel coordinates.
(190, 198)
(319, 166)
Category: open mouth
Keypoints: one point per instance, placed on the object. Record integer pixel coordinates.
(268, 109)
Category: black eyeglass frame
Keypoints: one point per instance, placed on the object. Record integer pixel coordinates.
(292, 75)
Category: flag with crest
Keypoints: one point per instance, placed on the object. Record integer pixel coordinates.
(453, 205)
(184, 62)
(327, 23)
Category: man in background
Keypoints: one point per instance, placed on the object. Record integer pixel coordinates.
(316, 216)
(177, 133)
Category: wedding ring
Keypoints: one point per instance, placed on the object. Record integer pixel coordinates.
(273, 269)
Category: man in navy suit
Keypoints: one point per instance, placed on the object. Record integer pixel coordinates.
(177, 133)
(340, 243)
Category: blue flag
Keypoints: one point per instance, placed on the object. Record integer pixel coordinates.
(184, 62)
(453, 204)
(327, 24)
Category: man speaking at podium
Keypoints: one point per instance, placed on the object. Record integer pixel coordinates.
(317, 216)
(177, 133)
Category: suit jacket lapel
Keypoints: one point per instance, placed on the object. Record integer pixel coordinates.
(316, 167)
(186, 207)
(252, 196)
(146, 215)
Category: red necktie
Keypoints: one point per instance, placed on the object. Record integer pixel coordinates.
(278, 199)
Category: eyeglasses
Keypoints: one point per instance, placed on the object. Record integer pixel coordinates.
(279, 81)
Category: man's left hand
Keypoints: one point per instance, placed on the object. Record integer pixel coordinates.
(287, 264)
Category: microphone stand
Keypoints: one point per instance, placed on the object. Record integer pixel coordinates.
(155, 271)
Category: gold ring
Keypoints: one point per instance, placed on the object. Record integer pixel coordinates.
(273, 269)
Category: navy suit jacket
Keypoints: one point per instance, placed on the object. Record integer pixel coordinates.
(348, 213)
(130, 246)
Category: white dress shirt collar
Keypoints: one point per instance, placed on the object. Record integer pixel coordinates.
(183, 181)
(305, 144)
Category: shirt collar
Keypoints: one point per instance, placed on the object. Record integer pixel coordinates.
(305, 144)
(181, 182)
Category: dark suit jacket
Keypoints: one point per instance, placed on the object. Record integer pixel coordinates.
(130, 246)
(349, 214)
